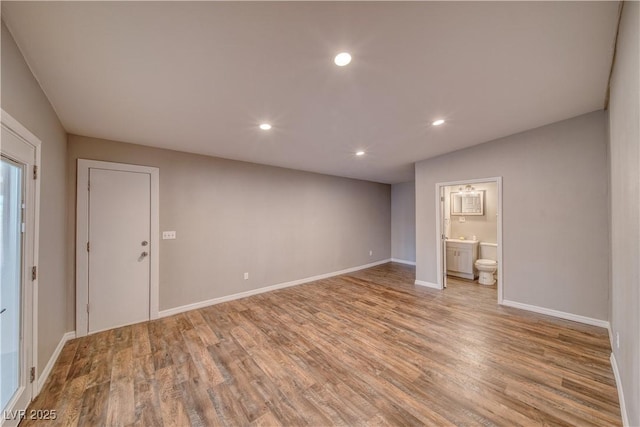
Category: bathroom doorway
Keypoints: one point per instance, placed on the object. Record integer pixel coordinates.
(469, 233)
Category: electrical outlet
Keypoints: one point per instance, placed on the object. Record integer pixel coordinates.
(168, 235)
(618, 340)
(246, 276)
(370, 253)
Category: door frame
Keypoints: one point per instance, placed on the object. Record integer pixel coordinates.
(440, 257)
(82, 237)
(441, 233)
(30, 249)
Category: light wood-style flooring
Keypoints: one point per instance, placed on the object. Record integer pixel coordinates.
(368, 348)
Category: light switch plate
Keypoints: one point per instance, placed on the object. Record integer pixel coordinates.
(168, 235)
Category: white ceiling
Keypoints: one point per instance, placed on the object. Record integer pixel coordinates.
(201, 76)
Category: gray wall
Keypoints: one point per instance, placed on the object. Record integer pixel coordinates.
(555, 216)
(624, 134)
(403, 221)
(234, 217)
(23, 99)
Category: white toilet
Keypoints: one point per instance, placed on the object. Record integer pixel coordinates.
(487, 264)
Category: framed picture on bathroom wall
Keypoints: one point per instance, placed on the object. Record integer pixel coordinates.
(467, 203)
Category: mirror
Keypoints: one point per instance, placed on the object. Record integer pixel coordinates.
(467, 203)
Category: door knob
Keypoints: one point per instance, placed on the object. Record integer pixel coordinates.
(144, 254)
(3, 310)
(145, 243)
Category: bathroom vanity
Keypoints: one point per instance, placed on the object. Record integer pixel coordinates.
(461, 255)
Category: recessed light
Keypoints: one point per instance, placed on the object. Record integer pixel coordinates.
(265, 126)
(360, 153)
(342, 59)
(438, 122)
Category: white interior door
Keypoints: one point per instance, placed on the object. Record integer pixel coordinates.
(18, 256)
(119, 248)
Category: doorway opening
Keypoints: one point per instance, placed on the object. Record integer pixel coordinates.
(469, 233)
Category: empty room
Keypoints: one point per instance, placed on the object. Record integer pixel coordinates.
(320, 213)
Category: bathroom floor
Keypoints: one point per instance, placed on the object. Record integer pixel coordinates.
(460, 282)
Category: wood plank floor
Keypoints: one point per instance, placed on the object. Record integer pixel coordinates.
(368, 348)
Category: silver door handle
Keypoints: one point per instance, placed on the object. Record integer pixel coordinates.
(3, 310)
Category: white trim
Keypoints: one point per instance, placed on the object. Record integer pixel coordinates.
(610, 335)
(556, 313)
(616, 374)
(207, 303)
(82, 233)
(19, 129)
(439, 232)
(403, 261)
(42, 378)
(32, 220)
(428, 284)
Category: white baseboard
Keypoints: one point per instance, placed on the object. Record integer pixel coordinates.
(610, 335)
(207, 303)
(42, 378)
(556, 313)
(403, 261)
(427, 284)
(616, 374)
